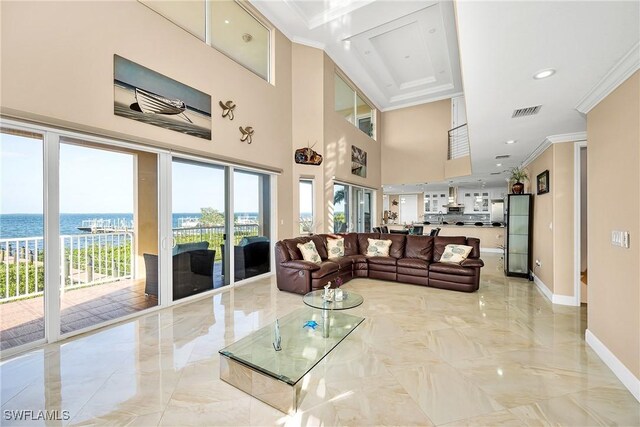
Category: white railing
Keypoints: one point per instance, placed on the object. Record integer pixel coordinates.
(215, 234)
(86, 260)
(92, 259)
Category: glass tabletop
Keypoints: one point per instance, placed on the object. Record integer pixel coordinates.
(303, 344)
(349, 300)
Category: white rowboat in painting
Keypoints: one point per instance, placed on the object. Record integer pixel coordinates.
(149, 102)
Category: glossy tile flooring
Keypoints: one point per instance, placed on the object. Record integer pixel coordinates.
(500, 356)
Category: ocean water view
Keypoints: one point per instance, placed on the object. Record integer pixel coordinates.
(31, 225)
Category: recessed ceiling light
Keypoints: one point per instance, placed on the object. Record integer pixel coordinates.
(226, 21)
(543, 74)
(498, 164)
(431, 31)
(511, 141)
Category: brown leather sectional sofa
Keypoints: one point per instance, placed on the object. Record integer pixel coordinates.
(412, 259)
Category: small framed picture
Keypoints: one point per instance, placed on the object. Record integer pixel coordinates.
(542, 182)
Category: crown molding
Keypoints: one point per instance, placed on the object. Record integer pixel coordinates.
(629, 64)
(553, 139)
(422, 101)
(308, 42)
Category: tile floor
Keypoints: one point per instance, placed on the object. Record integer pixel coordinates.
(501, 356)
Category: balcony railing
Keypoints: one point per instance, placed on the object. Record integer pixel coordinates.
(458, 142)
(89, 259)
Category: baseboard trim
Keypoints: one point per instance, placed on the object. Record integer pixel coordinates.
(617, 367)
(543, 288)
(565, 300)
(554, 298)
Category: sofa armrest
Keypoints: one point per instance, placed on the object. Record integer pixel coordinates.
(472, 262)
(300, 265)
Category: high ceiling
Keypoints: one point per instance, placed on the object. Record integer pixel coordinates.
(403, 53)
(399, 53)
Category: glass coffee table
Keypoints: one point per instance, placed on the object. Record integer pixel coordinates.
(253, 365)
(316, 299)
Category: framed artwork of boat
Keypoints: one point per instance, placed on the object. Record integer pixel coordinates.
(358, 162)
(142, 94)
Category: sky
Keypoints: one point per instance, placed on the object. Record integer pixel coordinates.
(100, 181)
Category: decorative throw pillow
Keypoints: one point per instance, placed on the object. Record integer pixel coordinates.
(335, 247)
(455, 254)
(309, 252)
(378, 247)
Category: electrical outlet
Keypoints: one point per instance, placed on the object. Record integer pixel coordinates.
(538, 263)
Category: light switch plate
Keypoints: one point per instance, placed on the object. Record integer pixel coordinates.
(620, 238)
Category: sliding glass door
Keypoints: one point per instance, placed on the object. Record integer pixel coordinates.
(341, 196)
(21, 238)
(199, 215)
(363, 209)
(251, 224)
(108, 233)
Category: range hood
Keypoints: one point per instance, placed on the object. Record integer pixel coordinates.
(453, 205)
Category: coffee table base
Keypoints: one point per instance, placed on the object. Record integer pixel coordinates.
(280, 395)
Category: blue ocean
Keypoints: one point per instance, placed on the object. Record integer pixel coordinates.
(32, 225)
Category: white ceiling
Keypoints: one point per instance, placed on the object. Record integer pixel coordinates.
(399, 53)
(503, 44)
(403, 53)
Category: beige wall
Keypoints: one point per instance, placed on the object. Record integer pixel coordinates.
(414, 143)
(542, 218)
(553, 242)
(57, 68)
(613, 129)
(457, 167)
(339, 136)
(308, 126)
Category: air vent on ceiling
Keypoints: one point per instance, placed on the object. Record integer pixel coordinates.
(496, 173)
(503, 156)
(528, 111)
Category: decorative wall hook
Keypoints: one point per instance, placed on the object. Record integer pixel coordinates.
(247, 134)
(227, 109)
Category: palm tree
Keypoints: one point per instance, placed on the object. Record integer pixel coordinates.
(338, 196)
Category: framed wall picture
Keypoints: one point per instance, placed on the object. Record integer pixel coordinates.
(358, 162)
(146, 96)
(542, 182)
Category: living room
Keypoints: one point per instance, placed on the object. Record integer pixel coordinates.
(59, 62)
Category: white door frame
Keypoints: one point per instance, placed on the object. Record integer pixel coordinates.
(577, 201)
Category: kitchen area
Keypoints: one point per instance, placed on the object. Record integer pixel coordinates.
(473, 211)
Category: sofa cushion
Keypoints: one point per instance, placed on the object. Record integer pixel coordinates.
(363, 241)
(455, 254)
(420, 247)
(320, 241)
(378, 247)
(188, 247)
(447, 268)
(292, 246)
(441, 242)
(344, 263)
(335, 247)
(326, 268)
(382, 260)
(350, 243)
(309, 252)
(397, 244)
(413, 263)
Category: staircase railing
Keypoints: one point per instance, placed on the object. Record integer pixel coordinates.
(458, 142)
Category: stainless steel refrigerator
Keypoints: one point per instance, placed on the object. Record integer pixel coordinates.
(497, 210)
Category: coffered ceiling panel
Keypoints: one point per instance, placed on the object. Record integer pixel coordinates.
(399, 53)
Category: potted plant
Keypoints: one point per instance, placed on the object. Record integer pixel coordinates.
(517, 177)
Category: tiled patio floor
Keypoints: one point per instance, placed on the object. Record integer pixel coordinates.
(22, 322)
